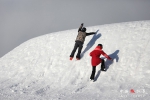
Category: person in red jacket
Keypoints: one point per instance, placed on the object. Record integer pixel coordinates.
(95, 60)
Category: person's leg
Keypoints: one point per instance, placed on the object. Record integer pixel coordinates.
(79, 50)
(103, 65)
(74, 49)
(93, 72)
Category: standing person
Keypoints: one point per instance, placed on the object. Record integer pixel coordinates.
(79, 41)
(95, 54)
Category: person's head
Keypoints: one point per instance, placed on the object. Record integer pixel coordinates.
(83, 29)
(101, 46)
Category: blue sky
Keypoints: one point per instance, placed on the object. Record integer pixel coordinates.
(21, 20)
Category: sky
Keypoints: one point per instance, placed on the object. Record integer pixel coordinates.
(40, 68)
(21, 20)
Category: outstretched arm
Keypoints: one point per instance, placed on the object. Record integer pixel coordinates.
(91, 33)
(80, 27)
(104, 54)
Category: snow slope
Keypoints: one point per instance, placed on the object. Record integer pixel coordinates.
(40, 69)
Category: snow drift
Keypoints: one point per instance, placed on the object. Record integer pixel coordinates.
(40, 69)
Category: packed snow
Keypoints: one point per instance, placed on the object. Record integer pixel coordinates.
(40, 69)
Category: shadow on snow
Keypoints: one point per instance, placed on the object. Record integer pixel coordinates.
(91, 43)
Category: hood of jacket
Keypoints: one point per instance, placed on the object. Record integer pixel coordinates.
(98, 48)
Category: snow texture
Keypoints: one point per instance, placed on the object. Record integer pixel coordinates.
(40, 69)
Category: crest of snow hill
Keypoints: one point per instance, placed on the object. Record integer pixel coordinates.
(40, 68)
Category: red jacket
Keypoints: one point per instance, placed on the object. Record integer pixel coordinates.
(95, 54)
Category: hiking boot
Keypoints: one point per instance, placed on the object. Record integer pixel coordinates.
(92, 80)
(71, 58)
(78, 58)
(103, 69)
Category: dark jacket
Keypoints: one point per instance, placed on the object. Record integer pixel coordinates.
(81, 35)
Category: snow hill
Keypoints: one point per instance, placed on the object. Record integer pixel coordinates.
(40, 69)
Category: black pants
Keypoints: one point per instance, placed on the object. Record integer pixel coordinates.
(94, 69)
(93, 72)
(103, 65)
(78, 45)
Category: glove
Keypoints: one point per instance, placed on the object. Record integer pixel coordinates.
(82, 24)
(112, 59)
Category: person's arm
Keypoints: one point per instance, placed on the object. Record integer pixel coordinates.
(91, 33)
(104, 54)
(80, 27)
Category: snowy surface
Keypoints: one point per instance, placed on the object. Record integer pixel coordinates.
(40, 69)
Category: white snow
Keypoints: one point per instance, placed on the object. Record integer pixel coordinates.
(40, 69)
